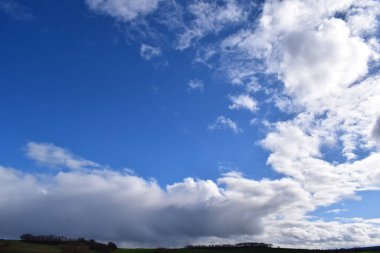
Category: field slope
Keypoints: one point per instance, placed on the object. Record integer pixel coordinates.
(14, 246)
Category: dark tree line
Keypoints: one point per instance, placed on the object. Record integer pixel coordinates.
(43, 239)
(237, 245)
(56, 240)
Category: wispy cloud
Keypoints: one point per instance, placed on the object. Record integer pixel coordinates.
(195, 84)
(243, 101)
(225, 123)
(123, 10)
(336, 211)
(228, 13)
(149, 52)
(47, 154)
(15, 10)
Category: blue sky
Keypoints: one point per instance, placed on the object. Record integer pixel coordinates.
(261, 113)
(83, 82)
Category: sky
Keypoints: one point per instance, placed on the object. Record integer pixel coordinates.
(165, 122)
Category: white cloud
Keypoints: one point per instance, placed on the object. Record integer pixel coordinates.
(319, 234)
(122, 207)
(204, 22)
(123, 10)
(109, 205)
(323, 64)
(376, 130)
(314, 53)
(149, 52)
(188, 22)
(204, 55)
(243, 101)
(362, 17)
(225, 123)
(195, 84)
(338, 210)
(49, 155)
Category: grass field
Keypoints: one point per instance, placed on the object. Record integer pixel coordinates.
(23, 247)
(14, 246)
(135, 250)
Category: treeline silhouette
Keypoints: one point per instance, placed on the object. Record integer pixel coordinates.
(58, 240)
(228, 246)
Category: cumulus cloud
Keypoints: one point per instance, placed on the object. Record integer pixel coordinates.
(243, 101)
(225, 123)
(322, 62)
(314, 53)
(47, 154)
(149, 52)
(195, 84)
(110, 205)
(319, 63)
(123, 10)
(314, 234)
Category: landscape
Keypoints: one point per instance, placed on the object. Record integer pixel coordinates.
(60, 244)
(189, 126)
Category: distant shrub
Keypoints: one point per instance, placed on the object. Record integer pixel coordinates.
(227, 246)
(112, 246)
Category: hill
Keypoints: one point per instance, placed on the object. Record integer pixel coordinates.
(15, 246)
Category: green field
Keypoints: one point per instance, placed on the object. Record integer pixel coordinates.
(23, 247)
(135, 250)
(14, 246)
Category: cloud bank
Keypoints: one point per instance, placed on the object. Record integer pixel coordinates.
(110, 205)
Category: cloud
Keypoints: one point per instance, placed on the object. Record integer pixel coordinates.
(15, 10)
(184, 22)
(195, 84)
(243, 101)
(314, 234)
(314, 53)
(322, 62)
(336, 211)
(149, 52)
(323, 65)
(110, 205)
(223, 15)
(376, 130)
(123, 10)
(46, 154)
(225, 123)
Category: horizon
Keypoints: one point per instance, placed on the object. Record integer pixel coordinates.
(167, 123)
